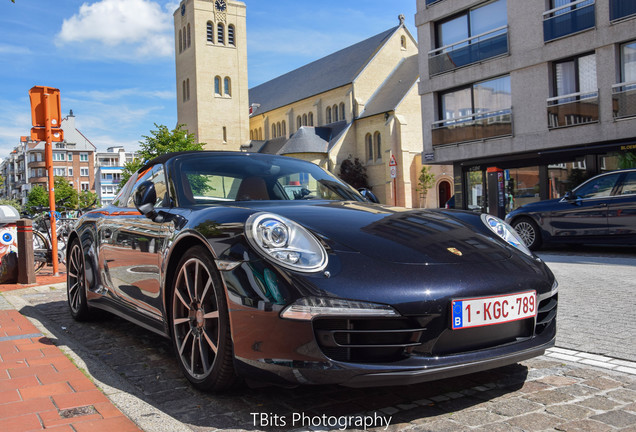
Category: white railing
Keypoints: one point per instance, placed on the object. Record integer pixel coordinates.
(472, 117)
(464, 42)
(566, 6)
(623, 87)
(572, 97)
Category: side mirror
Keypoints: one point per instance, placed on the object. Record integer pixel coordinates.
(369, 196)
(569, 196)
(145, 198)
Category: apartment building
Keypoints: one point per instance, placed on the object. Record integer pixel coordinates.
(109, 166)
(541, 91)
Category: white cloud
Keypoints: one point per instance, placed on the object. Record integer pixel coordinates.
(123, 29)
(13, 49)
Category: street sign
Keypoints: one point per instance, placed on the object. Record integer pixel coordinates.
(39, 134)
(38, 107)
(393, 172)
(392, 162)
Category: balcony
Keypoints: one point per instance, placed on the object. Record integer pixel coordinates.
(568, 19)
(572, 110)
(624, 100)
(474, 127)
(475, 49)
(620, 9)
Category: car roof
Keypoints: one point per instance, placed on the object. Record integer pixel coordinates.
(168, 156)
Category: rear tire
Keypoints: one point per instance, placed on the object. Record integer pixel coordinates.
(529, 232)
(200, 323)
(76, 283)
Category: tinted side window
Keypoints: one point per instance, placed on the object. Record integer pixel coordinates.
(598, 188)
(629, 184)
(156, 175)
(122, 197)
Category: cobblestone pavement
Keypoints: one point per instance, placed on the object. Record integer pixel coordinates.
(597, 295)
(560, 391)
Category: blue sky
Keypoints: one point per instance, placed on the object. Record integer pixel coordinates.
(113, 60)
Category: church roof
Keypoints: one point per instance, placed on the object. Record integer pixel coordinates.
(330, 72)
(394, 89)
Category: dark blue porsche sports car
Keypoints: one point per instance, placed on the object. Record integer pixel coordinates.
(270, 268)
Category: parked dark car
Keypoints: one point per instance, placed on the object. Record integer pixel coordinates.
(599, 211)
(315, 286)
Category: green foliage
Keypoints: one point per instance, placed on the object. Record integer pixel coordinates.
(38, 196)
(426, 180)
(160, 141)
(88, 199)
(13, 203)
(354, 173)
(627, 160)
(65, 195)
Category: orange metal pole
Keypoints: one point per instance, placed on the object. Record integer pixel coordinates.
(49, 167)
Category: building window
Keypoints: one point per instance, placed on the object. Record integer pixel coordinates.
(260, 133)
(478, 111)
(273, 131)
(251, 134)
(184, 38)
(342, 111)
(59, 172)
(368, 139)
(70, 172)
(84, 186)
(210, 32)
(624, 93)
(70, 156)
(84, 172)
(183, 91)
(220, 34)
(284, 128)
(59, 157)
(188, 89)
(575, 92)
(224, 134)
(83, 157)
(469, 37)
(230, 35)
(310, 120)
(189, 38)
(279, 130)
(328, 115)
(299, 122)
(377, 140)
(217, 85)
(620, 9)
(227, 84)
(567, 17)
(180, 42)
(305, 120)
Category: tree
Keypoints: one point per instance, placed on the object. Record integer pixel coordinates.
(38, 196)
(65, 195)
(354, 173)
(88, 199)
(425, 181)
(161, 141)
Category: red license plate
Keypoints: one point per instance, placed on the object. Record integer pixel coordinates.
(483, 311)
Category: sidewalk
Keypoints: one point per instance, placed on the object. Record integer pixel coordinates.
(40, 388)
(45, 277)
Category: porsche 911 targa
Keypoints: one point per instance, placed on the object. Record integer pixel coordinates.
(270, 268)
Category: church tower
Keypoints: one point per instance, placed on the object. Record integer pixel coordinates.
(211, 65)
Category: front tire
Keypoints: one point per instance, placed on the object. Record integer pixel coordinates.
(76, 283)
(529, 232)
(200, 323)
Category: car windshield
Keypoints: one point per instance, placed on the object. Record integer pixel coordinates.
(207, 179)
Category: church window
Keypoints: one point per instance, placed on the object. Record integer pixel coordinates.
(188, 89)
(335, 113)
(251, 134)
(184, 39)
(217, 85)
(180, 46)
(304, 119)
(378, 146)
(230, 35)
(273, 131)
(183, 91)
(368, 139)
(279, 130)
(210, 29)
(403, 41)
(224, 134)
(260, 133)
(220, 34)
(310, 120)
(189, 39)
(342, 111)
(227, 84)
(299, 122)
(284, 128)
(328, 115)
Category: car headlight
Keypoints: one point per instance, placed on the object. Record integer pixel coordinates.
(505, 232)
(285, 242)
(307, 308)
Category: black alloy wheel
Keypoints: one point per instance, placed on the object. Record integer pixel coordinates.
(529, 232)
(200, 323)
(76, 283)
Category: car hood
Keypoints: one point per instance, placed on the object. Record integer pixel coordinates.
(397, 235)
